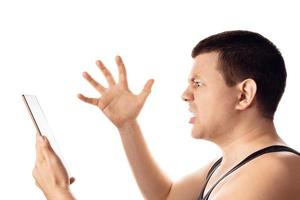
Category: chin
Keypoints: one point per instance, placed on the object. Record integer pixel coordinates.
(196, 133)
(201, 132)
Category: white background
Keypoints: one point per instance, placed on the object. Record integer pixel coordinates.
(46, 45)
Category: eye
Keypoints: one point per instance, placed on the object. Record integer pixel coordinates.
(198, 83)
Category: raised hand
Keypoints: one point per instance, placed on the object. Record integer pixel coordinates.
(117, 102)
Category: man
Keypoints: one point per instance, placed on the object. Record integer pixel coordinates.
(233, 91)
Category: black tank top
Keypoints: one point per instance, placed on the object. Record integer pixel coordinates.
(274, 148)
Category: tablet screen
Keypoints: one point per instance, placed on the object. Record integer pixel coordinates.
(40, 122)
(37, 114)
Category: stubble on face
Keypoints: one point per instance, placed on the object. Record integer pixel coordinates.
(214, 101)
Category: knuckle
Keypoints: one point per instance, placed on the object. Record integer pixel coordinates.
(42, 144)
(54, 159)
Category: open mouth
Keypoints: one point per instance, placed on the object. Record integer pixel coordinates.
(193, 118)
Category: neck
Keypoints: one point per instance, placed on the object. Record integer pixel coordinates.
(246, 139)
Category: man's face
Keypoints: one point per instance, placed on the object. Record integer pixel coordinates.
(210, 100)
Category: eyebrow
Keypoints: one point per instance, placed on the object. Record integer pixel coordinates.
(192, 78)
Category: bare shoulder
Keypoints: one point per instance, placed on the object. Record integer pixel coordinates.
(189, 187)
(269, 177)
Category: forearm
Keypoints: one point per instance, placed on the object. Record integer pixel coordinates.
(153, 183)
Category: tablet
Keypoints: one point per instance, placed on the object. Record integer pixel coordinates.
(36, 114)
(40, 122)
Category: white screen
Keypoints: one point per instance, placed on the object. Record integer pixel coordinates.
(42, 122)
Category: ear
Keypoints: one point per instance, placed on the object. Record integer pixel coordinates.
(247, 93)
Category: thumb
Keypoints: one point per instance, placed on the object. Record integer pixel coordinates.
(146, 91)
(72, 180)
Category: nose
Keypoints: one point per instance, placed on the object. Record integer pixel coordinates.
(187, 95)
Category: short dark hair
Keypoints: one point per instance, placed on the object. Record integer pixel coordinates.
(245, 54)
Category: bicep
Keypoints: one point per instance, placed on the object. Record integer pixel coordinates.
(190, 186)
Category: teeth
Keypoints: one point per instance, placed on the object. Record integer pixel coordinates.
(192, 111)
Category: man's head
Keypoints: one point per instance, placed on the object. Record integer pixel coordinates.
(242, 74)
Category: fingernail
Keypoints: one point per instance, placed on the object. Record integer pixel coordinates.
(45, 139)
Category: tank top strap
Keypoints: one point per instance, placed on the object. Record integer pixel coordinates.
(214, 167)
(209, 174)
(273, 148)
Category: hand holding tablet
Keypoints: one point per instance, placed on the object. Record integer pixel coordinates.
(41, 123)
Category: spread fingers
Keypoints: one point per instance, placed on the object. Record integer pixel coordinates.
(94, 83)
